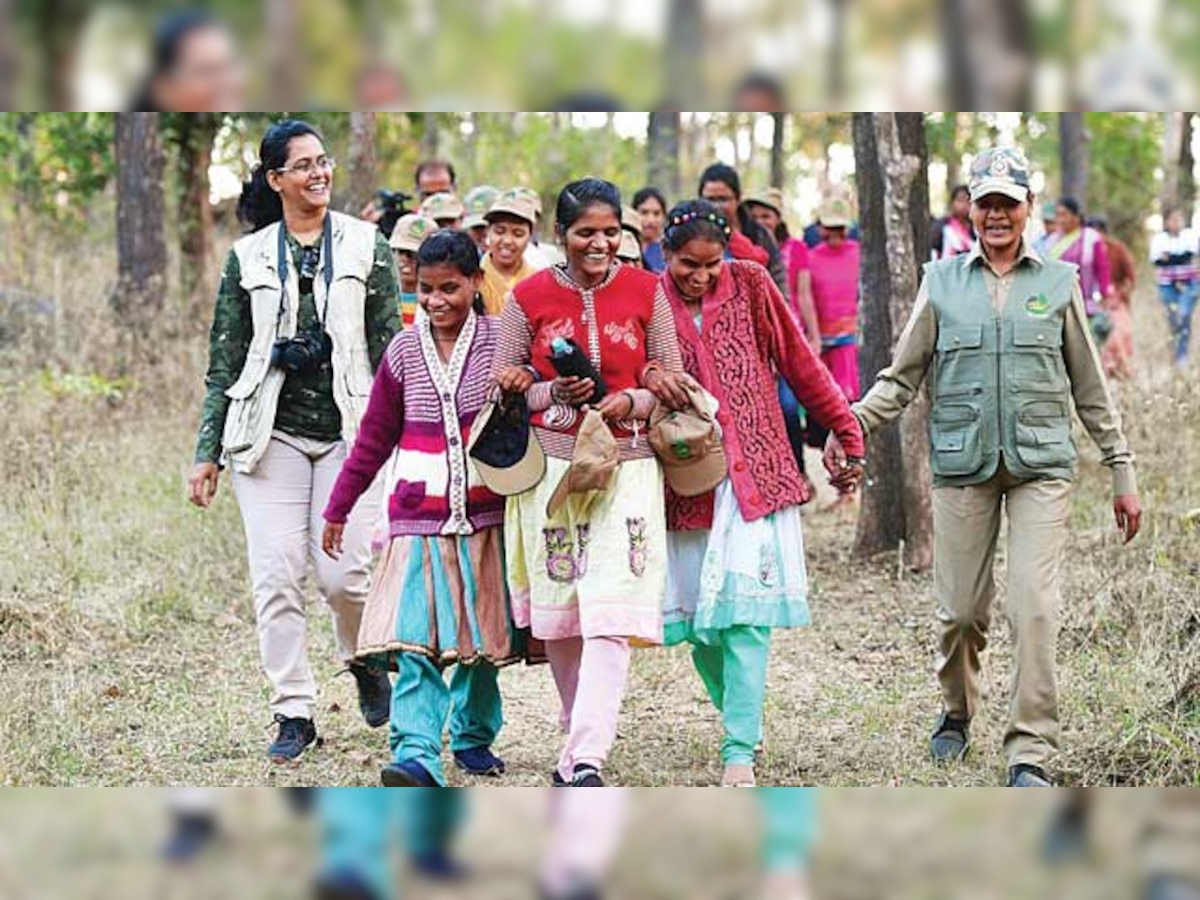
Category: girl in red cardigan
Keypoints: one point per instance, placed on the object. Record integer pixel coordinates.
(736, 555)
(588, 576)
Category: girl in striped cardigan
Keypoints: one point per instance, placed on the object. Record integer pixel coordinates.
(439, 596)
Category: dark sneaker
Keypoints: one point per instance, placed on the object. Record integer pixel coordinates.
(557, 780)
(1028, 776)
(409, 773)
(479, 761)
(586, 776)
(438, 865)
(295, 736)
(193, 833)
(374, 694)
(1166, 888)
(344, 884)
(951, 739)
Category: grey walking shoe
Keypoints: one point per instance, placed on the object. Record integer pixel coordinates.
(951, 739)
(1028, 776)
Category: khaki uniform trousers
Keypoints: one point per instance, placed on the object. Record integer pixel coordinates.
(283, 504)
(966, 525)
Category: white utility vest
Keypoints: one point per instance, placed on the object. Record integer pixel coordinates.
(255, 395)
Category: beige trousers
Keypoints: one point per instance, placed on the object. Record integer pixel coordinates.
(966, 525)
(282, 504)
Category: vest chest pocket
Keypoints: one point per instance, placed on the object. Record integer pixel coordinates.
(960, 356)
(955, 439)
(241, 419)
(1037, 361)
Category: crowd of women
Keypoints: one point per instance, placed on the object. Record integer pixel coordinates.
(408, 396)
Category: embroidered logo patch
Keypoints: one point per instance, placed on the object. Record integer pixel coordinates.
(1038, 306)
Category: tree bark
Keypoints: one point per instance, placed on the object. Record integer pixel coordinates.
(1172, 141)
(890, 161)
(662, 151)
(283, 62)
(777, 135)
(141, 249)
(8, 64)
(429, 135)
(195, 133)
(1187, 169)
(360, 165)
(1073, 140)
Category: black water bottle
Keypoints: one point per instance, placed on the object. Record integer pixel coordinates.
(569, 360)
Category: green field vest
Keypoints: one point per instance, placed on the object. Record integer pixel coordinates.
(1000, 385)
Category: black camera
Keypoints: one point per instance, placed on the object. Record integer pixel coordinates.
(307, 352)
(393, 205)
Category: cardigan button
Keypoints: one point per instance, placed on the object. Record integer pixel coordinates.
(453, 442)
(739, 466)
(756, 499)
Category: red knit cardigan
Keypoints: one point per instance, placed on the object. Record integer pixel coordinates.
(747, 335)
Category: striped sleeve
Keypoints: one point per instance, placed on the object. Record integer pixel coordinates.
(514, 340)
(662, 342)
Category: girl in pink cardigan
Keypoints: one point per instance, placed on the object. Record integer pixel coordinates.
(736, 555)
(439, 598)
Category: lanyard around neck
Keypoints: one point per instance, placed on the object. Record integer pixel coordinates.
(326, 258)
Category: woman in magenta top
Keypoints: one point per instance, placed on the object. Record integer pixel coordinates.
(833, 267)
(1084, 247)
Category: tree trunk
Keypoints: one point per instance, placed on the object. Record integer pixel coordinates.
(429, 135)
(360, 165)
(195, 134)
(685, 53)
(893, 190)
(838, 53)
(1187, 169)
(1074, 156)
(778, 122)
(141, 250)
(283, 62)
(662, 152)
(8, 64)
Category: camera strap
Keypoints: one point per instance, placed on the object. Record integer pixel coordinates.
(327, 259)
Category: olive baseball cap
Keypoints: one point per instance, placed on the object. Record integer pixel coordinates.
(999, 170)
(771, 198)
(688, 445)
(478, 201)
(443, 207)
(593, 462)
(410, 232)
(513, 203)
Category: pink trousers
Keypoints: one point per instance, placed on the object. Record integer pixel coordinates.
(591, 674)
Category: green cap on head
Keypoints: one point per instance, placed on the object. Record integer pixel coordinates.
(1000, 170)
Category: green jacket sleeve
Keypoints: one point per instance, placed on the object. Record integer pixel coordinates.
(228, 344)
(382, 303)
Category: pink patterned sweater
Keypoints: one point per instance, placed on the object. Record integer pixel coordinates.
(423, 410)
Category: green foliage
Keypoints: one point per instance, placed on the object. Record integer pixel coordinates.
(55, 163)
(91, 386)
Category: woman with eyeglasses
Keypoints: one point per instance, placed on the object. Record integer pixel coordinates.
(307, 305)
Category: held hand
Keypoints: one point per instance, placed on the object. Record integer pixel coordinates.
(1127, 509)
(670, 388)
(515, 380)
(616, 407)
(844, 474)
(331, 540)
(572, 390)
(202, 484)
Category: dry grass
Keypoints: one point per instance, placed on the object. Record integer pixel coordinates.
(128, 656)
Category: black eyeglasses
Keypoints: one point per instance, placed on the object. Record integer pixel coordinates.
(310, 258)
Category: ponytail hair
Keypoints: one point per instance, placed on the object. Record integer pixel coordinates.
(259, 205)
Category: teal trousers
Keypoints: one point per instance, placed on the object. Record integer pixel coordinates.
(422, 701)
(734, 672)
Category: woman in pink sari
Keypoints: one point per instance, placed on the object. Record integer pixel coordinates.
(1085, 248)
